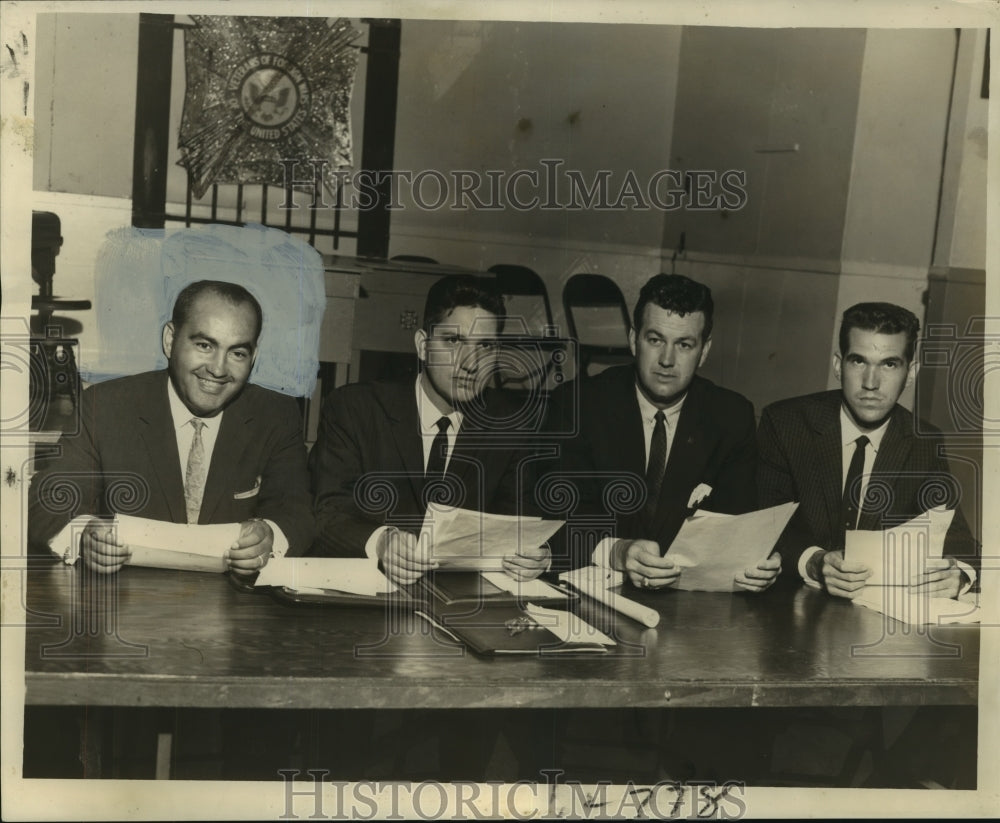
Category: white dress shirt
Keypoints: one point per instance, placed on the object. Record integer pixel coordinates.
(428, 414)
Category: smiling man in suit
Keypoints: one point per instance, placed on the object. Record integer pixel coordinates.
(384, 449)
(691, 441)
(193, 444)
(825, 450)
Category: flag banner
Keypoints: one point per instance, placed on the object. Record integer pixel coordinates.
(261, 90)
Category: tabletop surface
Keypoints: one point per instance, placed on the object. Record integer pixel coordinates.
(163, 638)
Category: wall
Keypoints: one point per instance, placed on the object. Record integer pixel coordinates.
(851, 214)
(896, 172)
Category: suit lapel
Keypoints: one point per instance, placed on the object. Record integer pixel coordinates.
(829, 464)
(891, 457)
(686, 460)
(400, 403)
(233, 440)
(156, 430)
(631, 439)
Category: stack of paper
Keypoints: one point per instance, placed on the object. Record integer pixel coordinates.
(524, 589)
(917, 609)
(319, 574)
(181, 546)
(896, 555)
(713, 549)
(463, 539)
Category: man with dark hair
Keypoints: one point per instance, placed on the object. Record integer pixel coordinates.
(193, 444)
(385, 448)
(824, 450)
(690, 441)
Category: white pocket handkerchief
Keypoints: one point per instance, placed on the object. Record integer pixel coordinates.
(251, 493)
(701, 491)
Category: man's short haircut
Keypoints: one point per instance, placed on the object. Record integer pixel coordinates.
(881, 318)
(678, 294)
(232, 293)
(455, 290)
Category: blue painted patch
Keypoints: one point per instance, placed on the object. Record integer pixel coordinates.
(141, 271)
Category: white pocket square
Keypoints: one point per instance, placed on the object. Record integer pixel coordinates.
(251, 493)
(701, 491)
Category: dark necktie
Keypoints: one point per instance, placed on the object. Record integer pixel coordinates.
(852, 486)
(657, 463)
(438, 458)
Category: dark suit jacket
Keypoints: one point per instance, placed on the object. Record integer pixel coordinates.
(714, 444)
(801, 459)
(124, 460)
(367, 465)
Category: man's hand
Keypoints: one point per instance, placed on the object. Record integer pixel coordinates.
(839, 577)
(761, 577)
(527, 564)
(250, 552)
(102, 550)
(641, 561)
(405, 561)
(941, 578)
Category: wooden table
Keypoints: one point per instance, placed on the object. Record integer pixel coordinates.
(149, 637)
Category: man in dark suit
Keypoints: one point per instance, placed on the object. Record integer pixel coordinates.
(825, 450)
(384, 449)
(682, 440)
(193, 444)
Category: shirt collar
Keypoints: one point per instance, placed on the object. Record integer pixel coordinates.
(849, 431)
(429, 414)
(182, 415)
(648, 410)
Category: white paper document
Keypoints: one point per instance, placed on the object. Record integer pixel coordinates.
(181, 546)
(523, 589)
(712, 549)
(567, 626)
(463, 539)
(318, 574)
(918, 609)
(896, 555)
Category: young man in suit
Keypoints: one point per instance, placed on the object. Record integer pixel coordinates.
(825, 450)
(691, 442)
(193, 444)
(384, 449)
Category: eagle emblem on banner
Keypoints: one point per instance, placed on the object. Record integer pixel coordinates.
(260, 90)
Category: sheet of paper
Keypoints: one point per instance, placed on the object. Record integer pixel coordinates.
(344, 574)
(713, 548)
(181, 546)
(523, 589)
(567, 626)
(460, 538)
(897, 554)
(917, 609)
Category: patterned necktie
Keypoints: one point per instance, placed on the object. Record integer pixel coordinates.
(438, 458)
(657, 463)
(194, 476)
(852, 486)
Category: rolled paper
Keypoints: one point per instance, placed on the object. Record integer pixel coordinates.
(591, 582)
